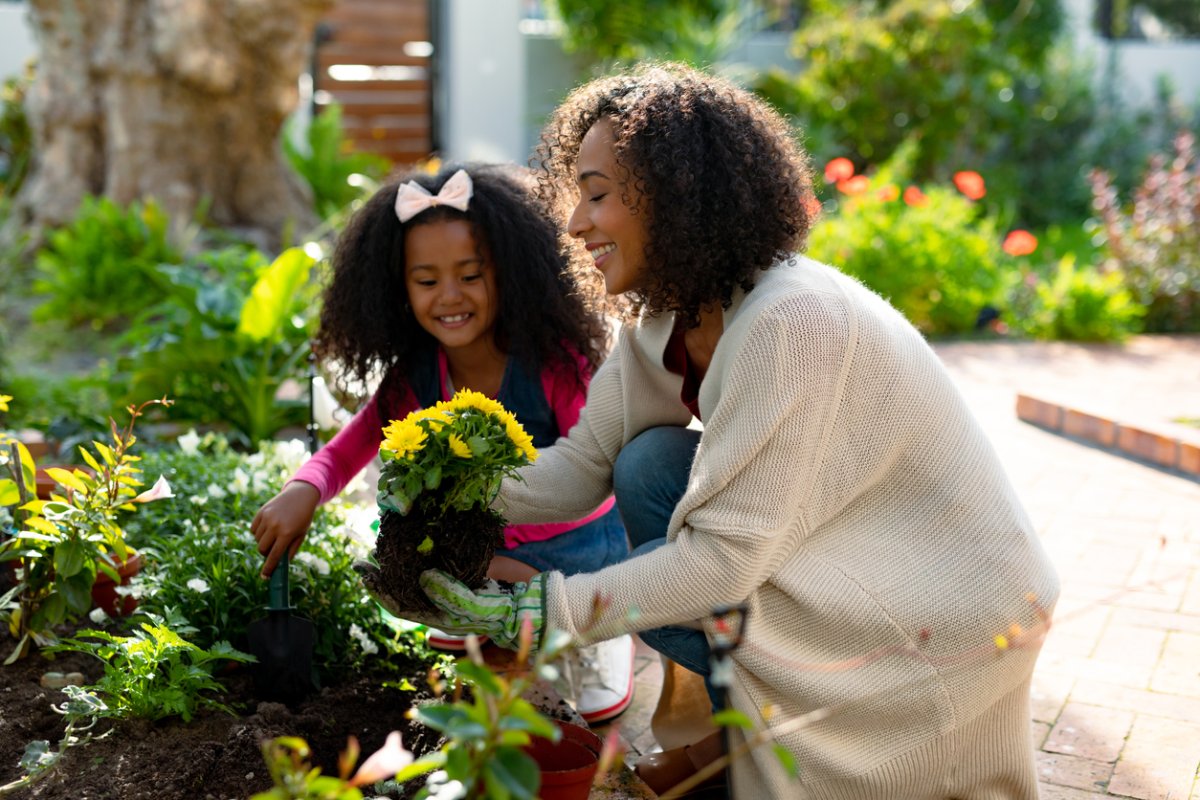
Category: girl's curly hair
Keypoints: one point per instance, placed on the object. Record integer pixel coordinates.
(724, 188)
(366, 323)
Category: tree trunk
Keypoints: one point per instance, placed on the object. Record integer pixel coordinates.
(179, 100)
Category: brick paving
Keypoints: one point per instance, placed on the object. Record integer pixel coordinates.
(1116, 693)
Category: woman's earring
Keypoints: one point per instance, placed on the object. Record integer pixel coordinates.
(407, 308)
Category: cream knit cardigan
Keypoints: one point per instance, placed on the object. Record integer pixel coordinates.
(843, 490)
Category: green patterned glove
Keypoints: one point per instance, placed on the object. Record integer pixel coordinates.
(495, 610)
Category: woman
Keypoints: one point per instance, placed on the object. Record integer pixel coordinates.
(840, 488)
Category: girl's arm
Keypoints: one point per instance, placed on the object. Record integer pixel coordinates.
(282, 523)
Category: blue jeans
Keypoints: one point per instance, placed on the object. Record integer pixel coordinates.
(649, 479)
(588, 548)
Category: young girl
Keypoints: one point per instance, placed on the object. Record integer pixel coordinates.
(454, 281)
(841, 490)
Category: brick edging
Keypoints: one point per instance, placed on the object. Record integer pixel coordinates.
(1132, 441)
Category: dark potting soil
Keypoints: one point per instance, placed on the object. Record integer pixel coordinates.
(214, 757)
(464, 544)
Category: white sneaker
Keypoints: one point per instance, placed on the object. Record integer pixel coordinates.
(599, 679)
(440, 640)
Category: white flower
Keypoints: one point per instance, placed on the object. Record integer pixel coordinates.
(364, 641)
(198, 499)
(216, 492)
(97, 616)
(198, 585)
(160, 491)
(189, 443)
(314, 562)
(240, 483)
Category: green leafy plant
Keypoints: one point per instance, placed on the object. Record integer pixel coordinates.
(486, 729)
(81, 710)
(104, 263)
(930, 252)
(1154, 243)
(294, 779)
(452, 455)
(200, 563)
(329, 165)
(62, 543)
(223, 349)
(153, 674)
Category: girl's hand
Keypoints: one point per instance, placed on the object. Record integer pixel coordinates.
(281, 524)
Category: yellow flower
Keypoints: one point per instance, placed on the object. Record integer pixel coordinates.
(4, 398)
(403, 437)
(459, 447)
(437, 415)
(466, 399)
(519, 437)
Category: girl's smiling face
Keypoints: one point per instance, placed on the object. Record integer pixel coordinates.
(611, 230)
(451, 284)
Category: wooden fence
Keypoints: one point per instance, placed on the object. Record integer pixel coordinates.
(374, 58)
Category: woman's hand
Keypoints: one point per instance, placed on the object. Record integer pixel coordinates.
(281, 524)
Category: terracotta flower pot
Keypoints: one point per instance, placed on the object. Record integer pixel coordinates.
(569, 765)
(104, 590)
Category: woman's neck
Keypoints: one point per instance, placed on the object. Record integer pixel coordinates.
(480, 369)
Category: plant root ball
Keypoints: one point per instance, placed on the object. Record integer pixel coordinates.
(464, 542)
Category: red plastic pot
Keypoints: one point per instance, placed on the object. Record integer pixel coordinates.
(568, 766)
(104, 590)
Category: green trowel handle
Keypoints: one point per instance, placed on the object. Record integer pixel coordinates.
(277, 591)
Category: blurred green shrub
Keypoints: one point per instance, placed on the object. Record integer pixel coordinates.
(1073, 303)
(230, 332)
(1154, 241)
(201, 563)
(929, 252)
(698, 32)
(879, 73)
(327, 163)
(103, 266)
(16, 137)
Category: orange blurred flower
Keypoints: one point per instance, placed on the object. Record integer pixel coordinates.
(838, 170)
(854, 185)
(970, 184)
(914, 196)
(1020, 243)
(889, 193)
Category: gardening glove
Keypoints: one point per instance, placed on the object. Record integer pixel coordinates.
(496, 610)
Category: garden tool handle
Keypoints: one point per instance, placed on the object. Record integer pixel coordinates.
(277, 590)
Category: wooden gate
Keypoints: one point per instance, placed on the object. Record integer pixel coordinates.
(375, 59)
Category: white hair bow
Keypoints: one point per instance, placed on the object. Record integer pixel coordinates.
(412, 198)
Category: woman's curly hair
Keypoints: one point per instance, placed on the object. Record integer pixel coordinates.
(366, 323)
(723, 186)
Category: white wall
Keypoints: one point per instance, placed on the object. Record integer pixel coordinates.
(16, 40)
(1138, 64)
(483, 89)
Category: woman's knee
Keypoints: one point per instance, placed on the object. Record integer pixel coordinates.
(655, 456)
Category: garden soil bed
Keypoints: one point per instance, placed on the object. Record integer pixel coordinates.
(214, 757)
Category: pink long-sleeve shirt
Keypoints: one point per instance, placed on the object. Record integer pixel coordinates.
(349, 452)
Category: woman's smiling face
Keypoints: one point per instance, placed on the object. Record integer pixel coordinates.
(612, 231)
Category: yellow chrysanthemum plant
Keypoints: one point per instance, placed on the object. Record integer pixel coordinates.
(455, 454)
(442, 468)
